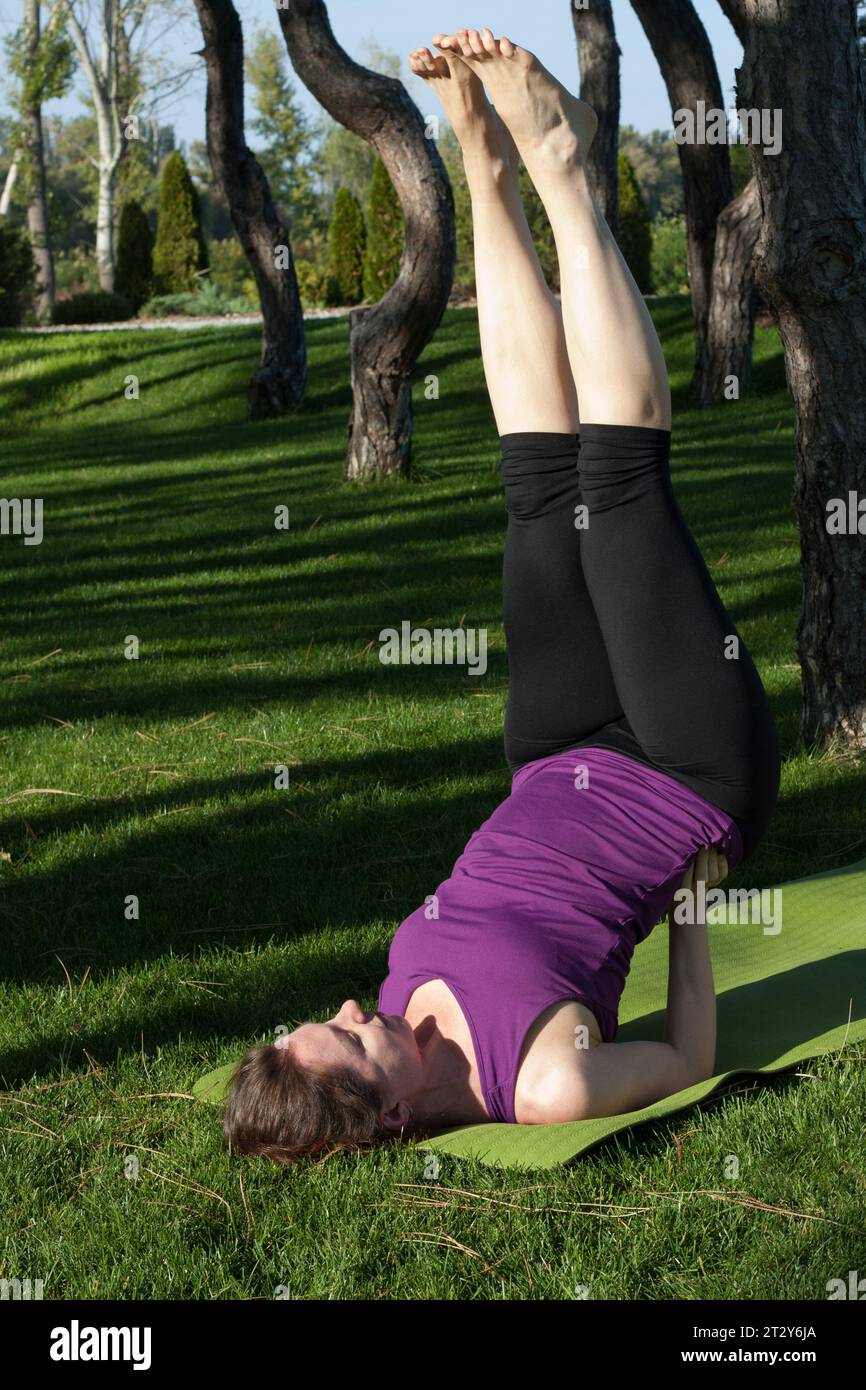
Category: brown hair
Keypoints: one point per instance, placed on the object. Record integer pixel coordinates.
(283, 1111)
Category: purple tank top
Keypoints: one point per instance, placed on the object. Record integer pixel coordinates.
(549, 899)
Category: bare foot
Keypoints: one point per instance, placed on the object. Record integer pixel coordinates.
(483, 136)
(546, 120)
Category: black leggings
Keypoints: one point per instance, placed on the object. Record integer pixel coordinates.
(617, 637)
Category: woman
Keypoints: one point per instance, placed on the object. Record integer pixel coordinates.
(639, 735)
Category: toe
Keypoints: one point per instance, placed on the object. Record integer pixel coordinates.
(475, 43)
(489, 42)
(506, 47)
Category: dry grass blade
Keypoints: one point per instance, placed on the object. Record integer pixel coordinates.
(41, 791)
(443, 1240)
(611, 1208)
(68, 980)
(196, 722)
(190, 1187)
(742, 1199)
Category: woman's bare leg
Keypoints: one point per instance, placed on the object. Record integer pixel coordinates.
(616, 358)
(523, 345)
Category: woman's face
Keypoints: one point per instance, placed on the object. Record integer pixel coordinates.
(381, 1048)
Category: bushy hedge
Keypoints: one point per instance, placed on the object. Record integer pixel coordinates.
(179, 254)
(17, 274)
(93, 306)
(670, 262)
(316, 286)
(230, 271)
(385, 235)
(347, 239)
(133, 277)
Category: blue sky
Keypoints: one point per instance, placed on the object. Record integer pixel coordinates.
(545, 27)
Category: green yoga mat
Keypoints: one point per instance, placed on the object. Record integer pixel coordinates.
(783, 996)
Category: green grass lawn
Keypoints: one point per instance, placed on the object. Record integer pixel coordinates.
(258, 906)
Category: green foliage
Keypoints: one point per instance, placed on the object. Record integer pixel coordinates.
(230, 272)
(179, 253)
(93, 306)
(344, 160)
(635, 231)
(346, 243)
(133, 277)
(286, 131)
(464, 269)
(385, 234)
(209, 301)
(136, 178)
(17, 274)
(670, 266)
(76, 270)
(317, 287)
(43, 73)
(655, 159)
(216, 218)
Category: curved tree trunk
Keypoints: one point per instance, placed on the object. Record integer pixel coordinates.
(598, 55)
(685, 57)
(736, 12)
(279, 382)
(733, 299)
(804, 59)
(37, 209)
(384, 340)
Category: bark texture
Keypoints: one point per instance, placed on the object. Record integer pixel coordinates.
(385, 340)
(736, 12)
(598, 56)
(804, 59)
(279, 382)
(733, 299)
(37, 207)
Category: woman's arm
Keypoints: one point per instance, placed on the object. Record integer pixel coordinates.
(690, 1023)
(617, 1078)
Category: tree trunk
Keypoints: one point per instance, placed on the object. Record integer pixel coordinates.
(279, 382)
(733, 300)
(9, 184)
(105, 225)
(736, 12)
(37, 210)
(598, 55)
(101, 76)
(804, 59)
(385, 340)
(685, 57)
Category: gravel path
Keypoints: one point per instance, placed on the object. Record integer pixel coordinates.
(178, 321)
(182, 322)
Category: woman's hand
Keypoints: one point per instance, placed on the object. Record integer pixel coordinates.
(709, 867)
